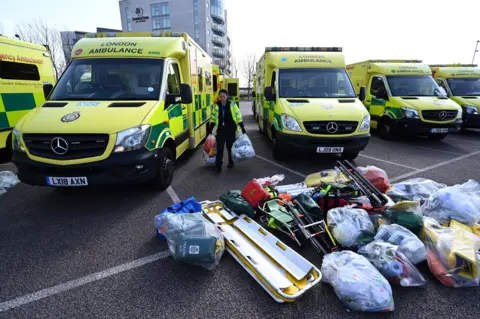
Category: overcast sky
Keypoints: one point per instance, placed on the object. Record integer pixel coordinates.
(438, 31)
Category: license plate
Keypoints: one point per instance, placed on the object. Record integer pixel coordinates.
(329, 149)
(439, 130)
(67, 181)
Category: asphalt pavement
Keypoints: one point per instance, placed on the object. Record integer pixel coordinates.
(93, 252)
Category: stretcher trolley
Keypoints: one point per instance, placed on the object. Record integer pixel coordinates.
(282, 272)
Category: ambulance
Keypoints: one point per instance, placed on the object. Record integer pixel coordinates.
(305, 102)
(222, 81)
(462, 83)
(404, 99)
(24, 68)
(143, 103)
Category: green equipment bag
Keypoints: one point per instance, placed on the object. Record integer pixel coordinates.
(310, 205)
(196, 249)
(234, 201)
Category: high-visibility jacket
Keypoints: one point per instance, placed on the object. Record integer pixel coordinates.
(234, 110)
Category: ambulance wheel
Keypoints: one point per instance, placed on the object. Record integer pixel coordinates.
(6, 153)
(437, 137)
(277, 151)
(386, 129)
(166, 167)
(350, 156)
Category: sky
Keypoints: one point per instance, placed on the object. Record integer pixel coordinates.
(438, 31)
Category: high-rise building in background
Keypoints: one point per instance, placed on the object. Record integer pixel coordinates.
(204, 20)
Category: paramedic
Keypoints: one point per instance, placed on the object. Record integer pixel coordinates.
(225, 122)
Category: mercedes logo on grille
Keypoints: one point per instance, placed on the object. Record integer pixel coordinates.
(442, 115)
(59, 146)
(332, 127)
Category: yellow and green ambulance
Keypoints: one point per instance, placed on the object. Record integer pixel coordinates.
(144, 102)
(305, 102)
(24, 69)
(404, 99)
(222, 81)
(462, 83)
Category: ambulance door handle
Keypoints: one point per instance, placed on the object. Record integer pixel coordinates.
(184, 107)
(369, 101)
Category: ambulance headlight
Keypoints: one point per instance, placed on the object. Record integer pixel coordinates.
(470, 109)
(410, 113)
(17, 140)
(132, 139)
(365, 126)
(290, 123)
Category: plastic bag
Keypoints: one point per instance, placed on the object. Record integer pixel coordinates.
(208, 159)
(377, 176)
(357, 283)
(310, 206)
(409, 244)
(452, 253)
(8, 179)
(460, 202)
(192, 239)
(351, 227)
(406, 214)
(242, 149)
(271, 181)
(210, 145)
(414, 189)
(234, 201)
(392, 264)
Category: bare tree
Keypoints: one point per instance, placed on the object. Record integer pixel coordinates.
(38, 31)
(234, 67)
(248, 70)
(1, 28)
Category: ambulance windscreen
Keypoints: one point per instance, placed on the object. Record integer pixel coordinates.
(315, 83)
(108, 79)
(465, 86)
(413, 85)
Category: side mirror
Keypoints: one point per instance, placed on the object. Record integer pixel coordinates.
(269, 95)
(186, 94)
(363, 94)
(47, 89)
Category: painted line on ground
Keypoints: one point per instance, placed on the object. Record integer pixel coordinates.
(437, 150)
(467, 140)
(418, 171)
(388, 162)
(48, 292)
(281, 166)
(173, 195)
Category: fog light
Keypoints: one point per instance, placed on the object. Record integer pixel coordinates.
(139, 167)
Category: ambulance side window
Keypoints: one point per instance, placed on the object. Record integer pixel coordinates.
(200, 79)
(274, 76)
(173, 79)
(215, 83)
(377, 84)
(18, 71)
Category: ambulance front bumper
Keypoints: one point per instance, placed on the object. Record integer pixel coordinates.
(471, 120)
(123, 168)
(418, 127)
(310, 144)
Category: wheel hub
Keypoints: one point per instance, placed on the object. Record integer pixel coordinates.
(168, 168)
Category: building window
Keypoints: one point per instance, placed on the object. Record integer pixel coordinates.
(160, 17)
(196, 30)
(128, 18)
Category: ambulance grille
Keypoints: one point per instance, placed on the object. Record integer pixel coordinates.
(78, 145)
(321, 127)
(439, 115)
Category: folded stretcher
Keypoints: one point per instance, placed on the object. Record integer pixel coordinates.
(281, 271)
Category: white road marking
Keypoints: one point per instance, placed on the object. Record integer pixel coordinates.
(461, 140)
(44, 293)
(173, 195)
(418, 171)
(388, 162)
(437, 150)
(281, 166)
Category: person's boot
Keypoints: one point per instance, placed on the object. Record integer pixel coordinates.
(230, 165)
(218, 169)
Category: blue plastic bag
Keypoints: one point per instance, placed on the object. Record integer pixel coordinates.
(189, 205)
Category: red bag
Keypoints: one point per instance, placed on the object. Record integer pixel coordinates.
(210, 144)
(254, 193)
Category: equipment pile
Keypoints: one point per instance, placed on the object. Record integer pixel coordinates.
(371, 234)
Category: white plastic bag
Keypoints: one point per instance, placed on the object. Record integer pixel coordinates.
(8, 179)
(208, 159)
(414, 189)
(271, 180)
(392, 264)
(357, 283)
(409, 244)
(460, 202)
(192, 239)
(351, 227)
(242, 148)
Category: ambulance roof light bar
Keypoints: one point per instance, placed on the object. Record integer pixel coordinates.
(133, 34)
(454, 65)
(303, 49)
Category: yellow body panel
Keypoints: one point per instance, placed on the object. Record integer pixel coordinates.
(20, 94)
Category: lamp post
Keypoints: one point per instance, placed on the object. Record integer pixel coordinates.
(475, 52)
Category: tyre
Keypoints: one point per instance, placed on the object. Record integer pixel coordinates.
(350, 155)
(437, 137)
(277, 151)
(386, 130)
(6, 153)
(165, 171)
